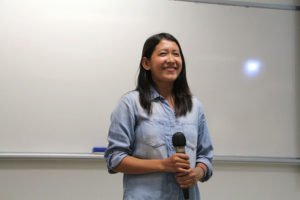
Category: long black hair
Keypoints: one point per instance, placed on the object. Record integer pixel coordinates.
(181, 90)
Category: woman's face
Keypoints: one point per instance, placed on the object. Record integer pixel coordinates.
(165, 63)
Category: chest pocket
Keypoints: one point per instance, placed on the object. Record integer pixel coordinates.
(150, 140)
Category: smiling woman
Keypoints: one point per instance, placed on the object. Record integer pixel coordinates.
(165, 64)
(144, 122)
(64, 65)
(163, 49)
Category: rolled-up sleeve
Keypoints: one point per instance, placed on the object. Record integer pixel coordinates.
(205, 147)
(120, 134)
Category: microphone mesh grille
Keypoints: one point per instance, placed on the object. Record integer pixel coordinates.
(178, 139)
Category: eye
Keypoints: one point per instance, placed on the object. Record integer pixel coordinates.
(177, 54)
(162, 53)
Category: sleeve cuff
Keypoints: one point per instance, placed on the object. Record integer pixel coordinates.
(209, 172)
(113, 160)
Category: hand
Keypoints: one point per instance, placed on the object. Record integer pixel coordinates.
(189, 177)
(178, 162)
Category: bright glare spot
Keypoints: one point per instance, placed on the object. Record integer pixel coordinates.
(252, 68)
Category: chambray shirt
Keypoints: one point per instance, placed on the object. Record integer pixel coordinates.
(133, 132)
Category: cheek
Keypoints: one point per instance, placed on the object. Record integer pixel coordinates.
(179, 62)
(160, 61)
(157, 63)
(180, 66)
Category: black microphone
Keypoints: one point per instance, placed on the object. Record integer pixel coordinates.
(179, 143)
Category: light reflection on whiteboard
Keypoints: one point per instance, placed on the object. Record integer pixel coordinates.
(252, 68)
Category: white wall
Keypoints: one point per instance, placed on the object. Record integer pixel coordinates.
(64, 64)
(89, 180)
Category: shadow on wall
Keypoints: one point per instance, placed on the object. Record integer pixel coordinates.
(297, 74)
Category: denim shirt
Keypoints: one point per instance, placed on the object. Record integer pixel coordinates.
(133, 132)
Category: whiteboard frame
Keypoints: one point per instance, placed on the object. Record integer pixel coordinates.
(218, 159)
(281, 6)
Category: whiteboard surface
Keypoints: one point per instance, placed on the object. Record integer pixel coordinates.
(65, 64)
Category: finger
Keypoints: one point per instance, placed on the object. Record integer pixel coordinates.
(181, 174)
(186, 186)
(180, 159)
(182, 156)
(182, 169)
(186, 183)
(185, 165)
(186, 176)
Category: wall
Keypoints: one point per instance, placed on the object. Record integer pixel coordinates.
(89, 180)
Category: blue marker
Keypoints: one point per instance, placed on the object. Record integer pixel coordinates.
(99, 149)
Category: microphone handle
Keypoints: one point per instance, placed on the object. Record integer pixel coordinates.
(181, 149)
(186, 193)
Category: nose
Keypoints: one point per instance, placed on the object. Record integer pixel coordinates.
(170, 58)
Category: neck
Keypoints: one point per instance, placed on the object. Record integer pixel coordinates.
(166, 92)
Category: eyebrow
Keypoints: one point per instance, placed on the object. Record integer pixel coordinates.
(166, 49)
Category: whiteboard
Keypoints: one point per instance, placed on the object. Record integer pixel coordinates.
(65, 64)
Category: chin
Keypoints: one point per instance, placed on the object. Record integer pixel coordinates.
(171, 79)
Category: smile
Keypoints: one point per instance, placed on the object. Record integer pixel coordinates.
(170, 67)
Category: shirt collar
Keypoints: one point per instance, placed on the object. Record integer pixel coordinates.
(154, 94)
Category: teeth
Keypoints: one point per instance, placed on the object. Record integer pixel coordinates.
(170, 67)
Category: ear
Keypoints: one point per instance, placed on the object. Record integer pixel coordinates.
(146, 63)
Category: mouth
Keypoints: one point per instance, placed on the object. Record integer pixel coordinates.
(170, 68)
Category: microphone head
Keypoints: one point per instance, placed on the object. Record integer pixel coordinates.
(178, 140)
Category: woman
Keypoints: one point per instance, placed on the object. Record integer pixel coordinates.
(143, 123)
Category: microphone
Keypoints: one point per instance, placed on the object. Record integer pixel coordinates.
(179, 142)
